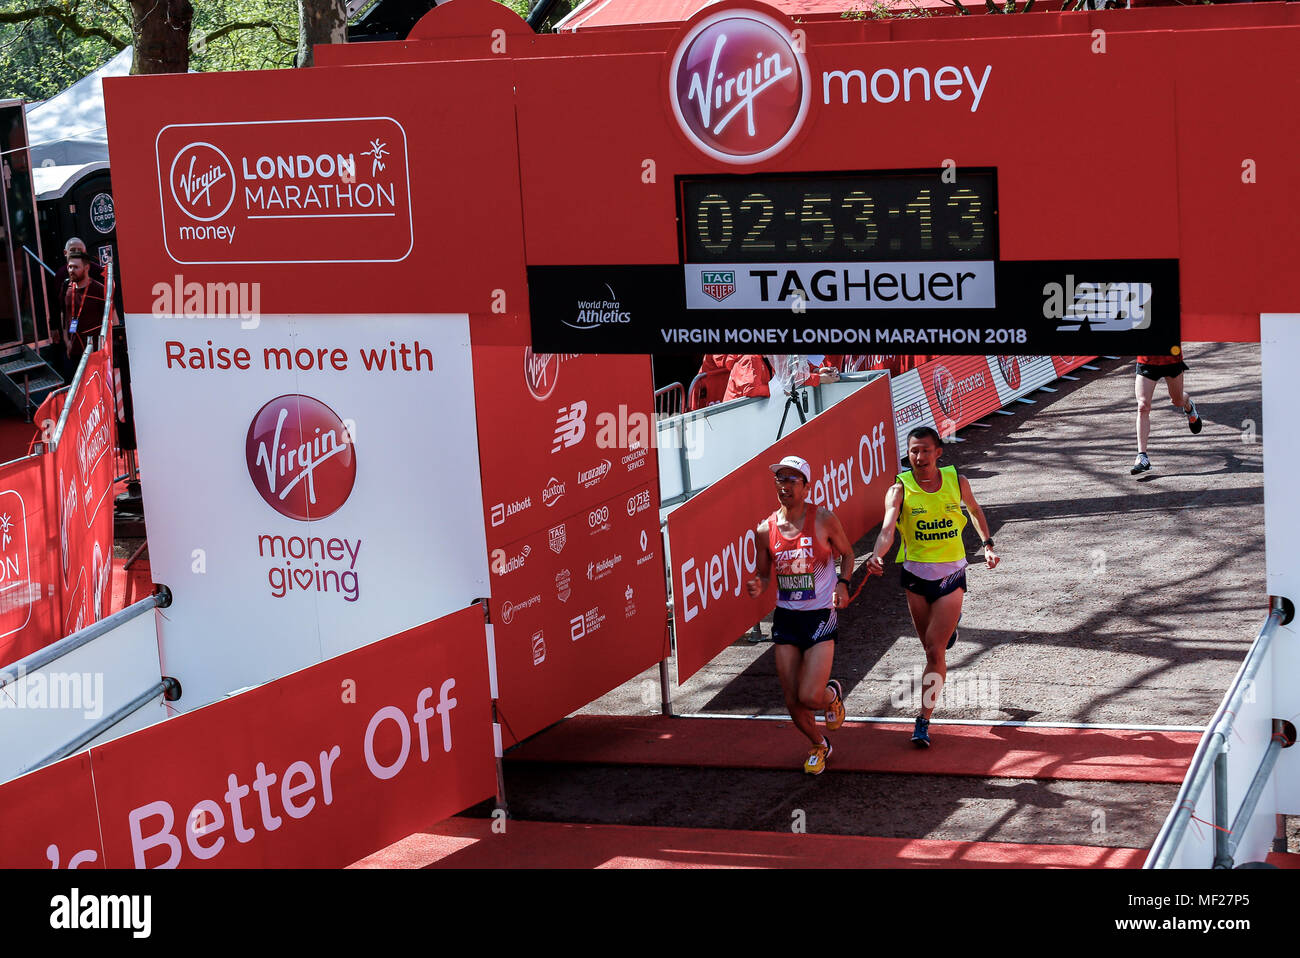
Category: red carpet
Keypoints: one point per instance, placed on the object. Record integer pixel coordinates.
(983, 751)
(16, 438)
(1283, 859)
(130, 585)
(470, 843)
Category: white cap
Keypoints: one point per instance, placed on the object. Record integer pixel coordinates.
(793, 462)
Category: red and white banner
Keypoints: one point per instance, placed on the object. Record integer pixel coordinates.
(316, 770)
(712, 540)
(83, 466)
(571, 508)
(959, 389)
(31, 560)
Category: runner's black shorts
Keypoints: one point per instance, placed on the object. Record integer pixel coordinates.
(804, 628)
(931, 590)
(1156, 373)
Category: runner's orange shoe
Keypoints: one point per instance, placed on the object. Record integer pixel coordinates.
(835, 711)
(815, 764)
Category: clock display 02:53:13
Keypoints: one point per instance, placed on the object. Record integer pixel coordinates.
(903, 216)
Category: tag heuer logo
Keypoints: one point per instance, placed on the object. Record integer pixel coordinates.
(558, 537)
(718, 285)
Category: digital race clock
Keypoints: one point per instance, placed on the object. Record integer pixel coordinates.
(839, 217)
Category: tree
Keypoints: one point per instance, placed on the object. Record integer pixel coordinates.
(160, 35)
(47, 44)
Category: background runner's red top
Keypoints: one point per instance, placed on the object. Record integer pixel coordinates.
(805, 574)
(1160, 360)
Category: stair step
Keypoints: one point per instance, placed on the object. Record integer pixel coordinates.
(16, 367)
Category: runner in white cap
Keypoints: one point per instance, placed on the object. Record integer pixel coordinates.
(801, 540)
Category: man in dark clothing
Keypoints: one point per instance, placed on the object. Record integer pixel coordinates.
(82, 311)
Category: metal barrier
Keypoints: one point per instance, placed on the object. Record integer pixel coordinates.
(39, 659)
(670, 401)
(1211, 760)
(105, 330)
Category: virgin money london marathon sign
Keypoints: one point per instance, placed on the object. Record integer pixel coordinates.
(786, 243)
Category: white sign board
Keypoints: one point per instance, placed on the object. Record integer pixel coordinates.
(311, 485)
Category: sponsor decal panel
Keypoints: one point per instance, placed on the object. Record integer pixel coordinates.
(739, 89)
(556, 537)
(242, 192)
(511, 609)
(593, 475)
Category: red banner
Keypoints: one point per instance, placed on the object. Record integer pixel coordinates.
(960, 390)
(50, 818)
(571, 501)
(317, 769)
(1065, 364)
(30, 590)
(711, 538)
(83, 466)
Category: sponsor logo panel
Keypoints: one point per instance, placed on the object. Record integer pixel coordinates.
(738, 88)
(244, 192)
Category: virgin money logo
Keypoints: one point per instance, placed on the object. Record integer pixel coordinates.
(300, 457)
(945, 393)
(1009, 367)
(202, 179)
(540, 372)
(738, 86)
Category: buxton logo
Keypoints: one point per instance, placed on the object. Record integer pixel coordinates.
(553, 492)
(300, 457)
(739, 87)
(203, 182)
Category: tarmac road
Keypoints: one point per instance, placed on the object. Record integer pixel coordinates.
(1118, 600)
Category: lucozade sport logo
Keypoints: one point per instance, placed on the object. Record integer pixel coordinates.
(739, 87)
(301, 457)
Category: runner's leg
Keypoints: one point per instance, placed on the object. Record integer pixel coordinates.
(1176, 394)
(813, 675)
(1144, 389)
(943, 616)
(789, 658)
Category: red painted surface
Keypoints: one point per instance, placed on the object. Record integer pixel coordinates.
(1101, 755)
(470, 843)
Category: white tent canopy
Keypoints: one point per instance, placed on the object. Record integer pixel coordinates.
(68, 131)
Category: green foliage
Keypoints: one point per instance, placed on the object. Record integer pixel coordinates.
(41, 56)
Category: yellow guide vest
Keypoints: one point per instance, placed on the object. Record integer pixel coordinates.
(931, 522)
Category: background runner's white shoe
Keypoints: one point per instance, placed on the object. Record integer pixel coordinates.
(1141, 464)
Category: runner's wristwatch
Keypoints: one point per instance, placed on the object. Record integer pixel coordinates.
(988, 543)
(845, 581)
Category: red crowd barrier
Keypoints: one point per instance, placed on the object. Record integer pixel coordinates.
(317, 769)
(56, 519)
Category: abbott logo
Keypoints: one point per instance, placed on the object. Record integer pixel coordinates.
(739, 88)
(202, 180)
